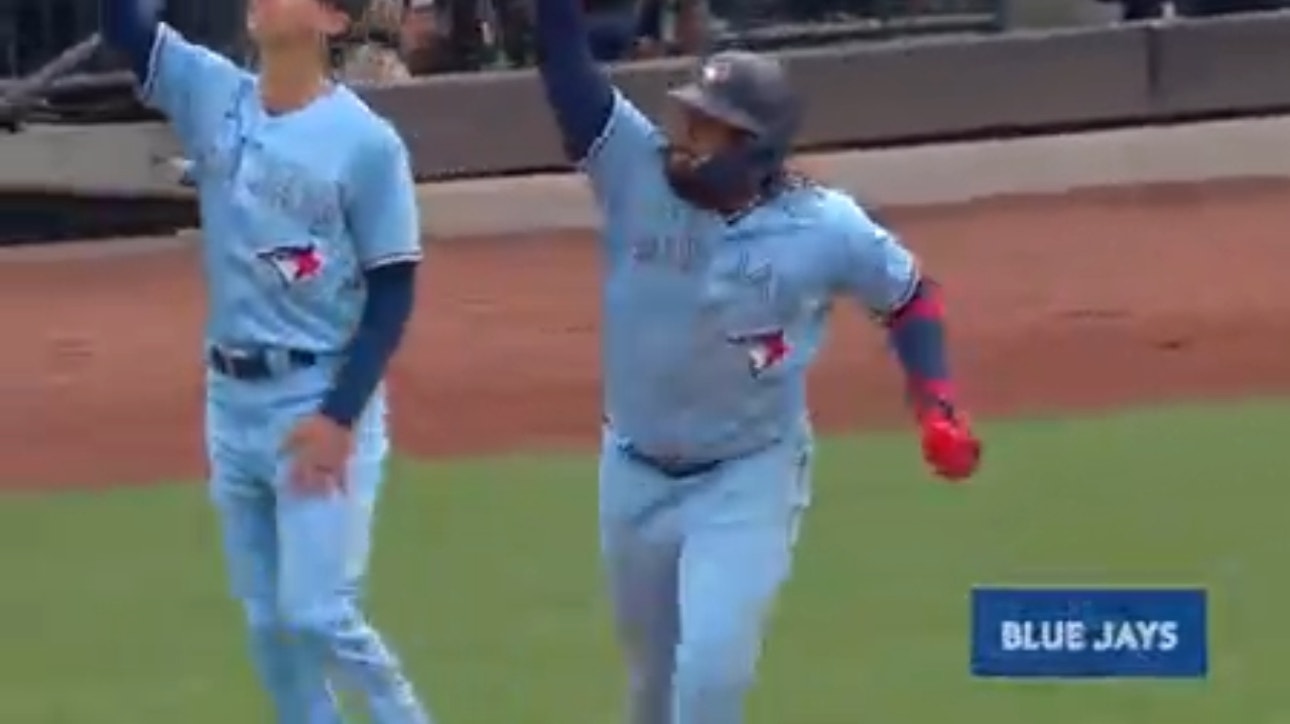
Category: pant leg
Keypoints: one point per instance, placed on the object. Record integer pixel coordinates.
(739, 535)
(324, 544)
(247, 512)
(640, 550)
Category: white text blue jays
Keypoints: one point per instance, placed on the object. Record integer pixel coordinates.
(1076, 635)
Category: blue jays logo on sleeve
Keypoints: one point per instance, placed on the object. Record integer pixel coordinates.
(294, 264)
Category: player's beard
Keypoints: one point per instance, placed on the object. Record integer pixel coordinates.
(695, 180)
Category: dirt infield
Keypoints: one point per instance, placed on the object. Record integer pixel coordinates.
(1087, 300)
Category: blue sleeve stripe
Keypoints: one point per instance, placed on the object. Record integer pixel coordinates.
(152, 61)
(603, 137)
(906, 295)
(399, 257)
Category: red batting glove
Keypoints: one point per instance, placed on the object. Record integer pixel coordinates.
(949, 446)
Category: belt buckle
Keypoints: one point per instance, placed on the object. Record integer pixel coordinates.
(233, 361)
(233, 355)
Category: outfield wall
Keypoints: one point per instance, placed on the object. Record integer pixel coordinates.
(928, 175)
(924, 175)
(865, 95)
(902, 92)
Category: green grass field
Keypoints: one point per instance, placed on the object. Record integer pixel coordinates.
(114, 610)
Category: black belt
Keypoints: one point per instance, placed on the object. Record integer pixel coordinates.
(675, 468)
(258, 364)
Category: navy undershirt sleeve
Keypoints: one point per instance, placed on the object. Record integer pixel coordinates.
(390, 295)
(130, 26)
(579, 93)
(917, 334)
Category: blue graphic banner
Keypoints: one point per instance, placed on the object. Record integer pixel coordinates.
(1090, 633)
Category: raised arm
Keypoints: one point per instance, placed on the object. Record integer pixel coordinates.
(190, 84)
(617, 147)
(579, 94)
(131, 26)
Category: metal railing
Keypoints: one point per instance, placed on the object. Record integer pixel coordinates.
(768, 26)
(35, 32)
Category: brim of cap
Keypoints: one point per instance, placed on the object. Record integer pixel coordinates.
(694, 97)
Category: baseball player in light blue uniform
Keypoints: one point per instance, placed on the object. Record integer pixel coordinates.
(720, 269)
(311, 247)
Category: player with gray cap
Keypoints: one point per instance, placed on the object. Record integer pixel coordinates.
(720, 266)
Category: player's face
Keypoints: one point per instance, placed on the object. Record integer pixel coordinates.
(695, 138)
(701, 136)
(282, 22)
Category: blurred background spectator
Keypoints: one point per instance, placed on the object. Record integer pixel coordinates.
(1210, 8)
(423, 35)
(635, 29)
(403, 38)
(613, 27)
(442, 36)
(371, 52)
(1131, 10)
(439, 36)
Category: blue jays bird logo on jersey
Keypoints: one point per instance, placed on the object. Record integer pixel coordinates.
(765, 349)
(294, 264)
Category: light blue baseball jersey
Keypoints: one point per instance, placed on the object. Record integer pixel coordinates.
(711, 324)
(294, 207)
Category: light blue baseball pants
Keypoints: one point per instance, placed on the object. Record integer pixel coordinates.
(693, 567)
(297, 563)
